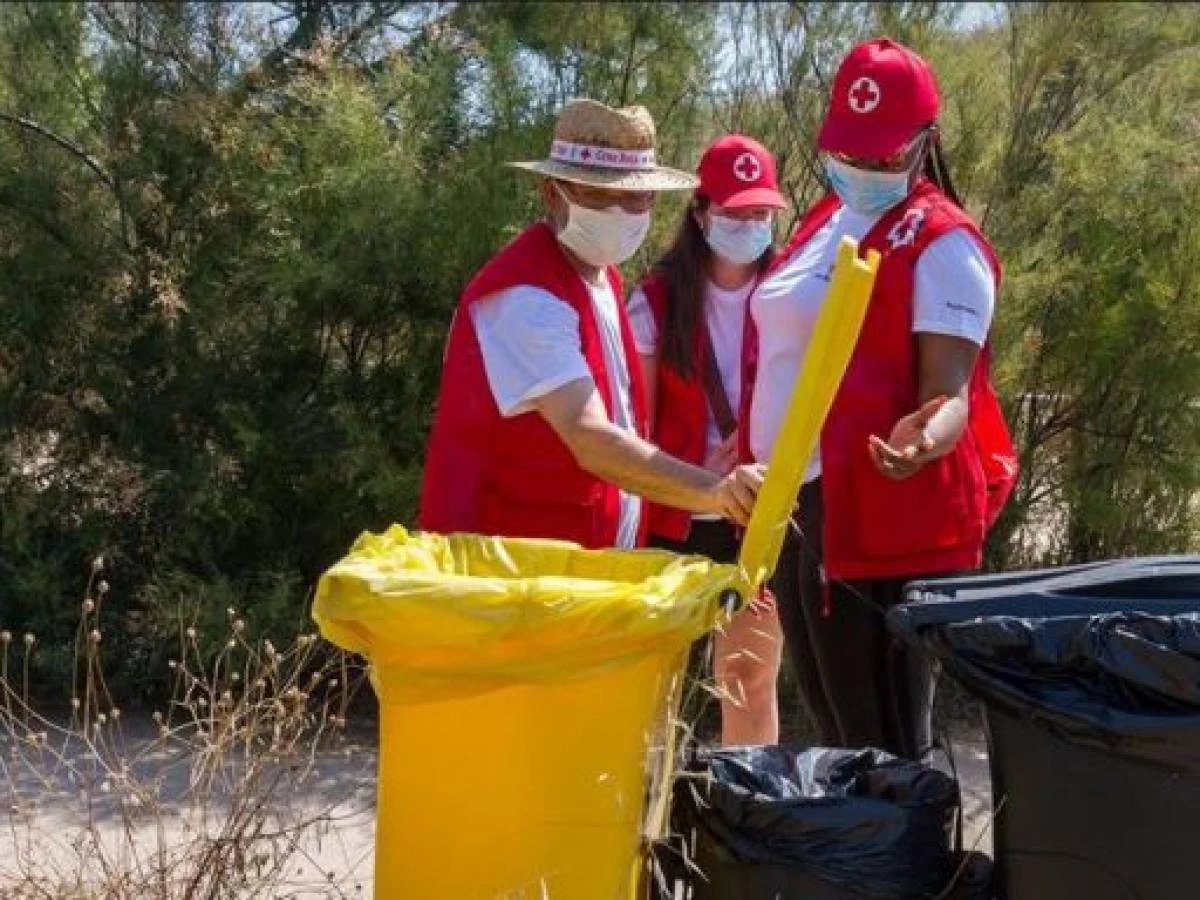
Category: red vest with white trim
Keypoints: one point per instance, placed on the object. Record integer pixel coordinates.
(681, 408)
(514, 476)
(936, 520)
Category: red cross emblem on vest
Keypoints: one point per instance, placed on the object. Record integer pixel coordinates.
(905, 231)
(747, 167)
(864, 94)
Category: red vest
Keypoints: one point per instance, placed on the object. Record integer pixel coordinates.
(935, 521)
(681, 409)
(514, 477)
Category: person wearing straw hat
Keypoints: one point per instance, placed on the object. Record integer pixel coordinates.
(690, 318)
(540, 424)
(915, 460)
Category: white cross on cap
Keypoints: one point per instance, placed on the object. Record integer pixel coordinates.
(747, 167)
(864, 94)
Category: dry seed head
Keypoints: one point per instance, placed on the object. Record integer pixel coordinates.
(30, 640)
(116, 714)
(89, 605)
(231, 644)
(5, 637)
(239, 625)
(191, 633)
(98, 564)
(235, 677)
(158, 717)
(102, 587)
(74, 703)
(102, 719)
(94, 636)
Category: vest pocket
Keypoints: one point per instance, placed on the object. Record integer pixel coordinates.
(940, 508)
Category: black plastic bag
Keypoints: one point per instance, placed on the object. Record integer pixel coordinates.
(1124, 682)
(1089, 680)
(825, 824)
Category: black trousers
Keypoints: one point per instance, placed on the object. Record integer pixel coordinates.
(717, 539)
(861, 687)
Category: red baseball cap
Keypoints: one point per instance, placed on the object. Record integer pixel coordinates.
(737, 171)
(883, 94)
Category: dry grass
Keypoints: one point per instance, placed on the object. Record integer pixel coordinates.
(219, 800)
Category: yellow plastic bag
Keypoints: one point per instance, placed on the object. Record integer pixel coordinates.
(448, 616)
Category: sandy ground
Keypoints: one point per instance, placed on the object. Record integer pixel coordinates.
(334, 860)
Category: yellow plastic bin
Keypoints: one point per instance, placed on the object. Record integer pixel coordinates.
(523, 682)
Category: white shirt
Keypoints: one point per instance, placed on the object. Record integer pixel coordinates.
(531, 346)
(725, 316)
(953, 294)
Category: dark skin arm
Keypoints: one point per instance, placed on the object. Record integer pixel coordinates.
(944, 366)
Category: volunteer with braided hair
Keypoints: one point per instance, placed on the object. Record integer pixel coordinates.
(915, 460)
(689, 318)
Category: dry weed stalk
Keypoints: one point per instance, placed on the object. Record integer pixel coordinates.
(215, 803)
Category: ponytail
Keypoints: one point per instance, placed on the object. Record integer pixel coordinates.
(937, 171)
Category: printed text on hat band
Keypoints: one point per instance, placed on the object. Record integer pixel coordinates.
(601, 157)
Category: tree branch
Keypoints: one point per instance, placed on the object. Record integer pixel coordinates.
(70, 146)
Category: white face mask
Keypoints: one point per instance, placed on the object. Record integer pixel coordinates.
(602, 237)
(740, 241)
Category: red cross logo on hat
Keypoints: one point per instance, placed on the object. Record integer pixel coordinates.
(864, 94)
(747, 167)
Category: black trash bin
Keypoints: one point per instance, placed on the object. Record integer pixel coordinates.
(761, 823)
(1090, 683)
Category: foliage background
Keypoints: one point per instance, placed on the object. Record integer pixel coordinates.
(231, 236)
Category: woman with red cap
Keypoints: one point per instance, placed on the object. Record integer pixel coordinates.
(691, 328)
(914, 460)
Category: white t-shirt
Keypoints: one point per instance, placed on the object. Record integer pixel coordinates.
(531, 346)
(953, 294)
(725, 315)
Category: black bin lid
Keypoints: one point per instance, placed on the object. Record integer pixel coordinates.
(1107, 654)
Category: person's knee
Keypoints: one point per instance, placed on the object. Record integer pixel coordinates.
(747, 674)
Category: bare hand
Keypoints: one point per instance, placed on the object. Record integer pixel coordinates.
(909, 447)
(734, 496)
(723, 457)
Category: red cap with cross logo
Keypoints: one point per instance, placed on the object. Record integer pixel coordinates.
(883, 94)
(737, 171)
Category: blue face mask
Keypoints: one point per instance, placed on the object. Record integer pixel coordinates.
(869, 193)
(737, 240)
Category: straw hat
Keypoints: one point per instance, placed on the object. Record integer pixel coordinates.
(609, 148)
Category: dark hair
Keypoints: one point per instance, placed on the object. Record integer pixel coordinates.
(937, 171)
(683, 271)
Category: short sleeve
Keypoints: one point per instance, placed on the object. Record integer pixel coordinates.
(530, 345)
(954, 291)
(641, 320)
